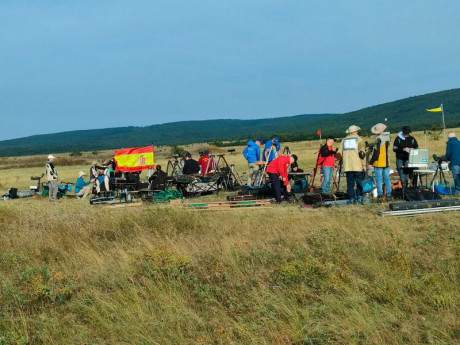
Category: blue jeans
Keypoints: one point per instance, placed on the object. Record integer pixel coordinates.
(327, 177)
(383, 175)
(355, 177)
(402, 175)
(456, 175)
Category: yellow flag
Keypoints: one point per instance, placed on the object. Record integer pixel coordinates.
(435, 110)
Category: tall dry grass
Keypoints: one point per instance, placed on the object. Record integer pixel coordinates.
(79, 274)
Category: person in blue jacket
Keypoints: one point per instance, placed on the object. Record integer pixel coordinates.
(271, 150)
(453, 155)
(252, 155)
(82, 188)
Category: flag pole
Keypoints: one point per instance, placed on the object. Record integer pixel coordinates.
(443, 122)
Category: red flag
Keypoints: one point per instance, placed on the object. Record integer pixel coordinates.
(319, 132)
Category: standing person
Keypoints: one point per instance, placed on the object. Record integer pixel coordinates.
(82, 188)
(453, 155)
(380, 160)
(354, 163)
(403, 144)
(252, 155)
(271, 150)
(52, 177)
(326, 161)
(277, 169)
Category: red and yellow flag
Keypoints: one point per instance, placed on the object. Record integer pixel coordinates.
(134, 159)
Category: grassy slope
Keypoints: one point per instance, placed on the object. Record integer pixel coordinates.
(409, 111)
(75, 274)
(79, 274)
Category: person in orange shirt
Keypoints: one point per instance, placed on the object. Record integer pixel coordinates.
(277, 170)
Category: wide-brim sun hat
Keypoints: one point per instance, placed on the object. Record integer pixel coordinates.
(81, 173)
(51, 157)
(352, 128)
(379, 128)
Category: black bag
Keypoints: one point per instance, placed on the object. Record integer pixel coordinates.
(13, 193)
(317, 199)
(415, 194)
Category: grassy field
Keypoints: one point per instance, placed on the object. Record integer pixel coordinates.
(79, 274)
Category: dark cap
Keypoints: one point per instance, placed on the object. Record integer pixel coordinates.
(206, 152)
(331, 137)
(406, 130)
(294, 165)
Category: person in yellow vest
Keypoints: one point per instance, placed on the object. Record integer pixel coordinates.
(380, 160)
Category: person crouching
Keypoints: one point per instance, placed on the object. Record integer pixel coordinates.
(82, 188)
(277, 170)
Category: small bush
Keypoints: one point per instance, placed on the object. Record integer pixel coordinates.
(75, 154)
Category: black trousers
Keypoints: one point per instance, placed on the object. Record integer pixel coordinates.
(276, 185)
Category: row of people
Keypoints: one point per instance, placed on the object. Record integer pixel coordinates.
(252, 154)
(352, 152)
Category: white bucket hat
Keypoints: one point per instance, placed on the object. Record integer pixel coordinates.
(352, 128)
(81, 173)
(51, 157)
(379, 128)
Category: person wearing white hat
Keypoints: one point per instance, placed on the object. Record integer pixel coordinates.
(52, 178)
(380, 160)
(353, 163)
(82, 188)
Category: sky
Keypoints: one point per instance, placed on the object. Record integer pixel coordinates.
(69, 65)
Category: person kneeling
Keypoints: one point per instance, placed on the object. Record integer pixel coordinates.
(278, 169)
(82, 188)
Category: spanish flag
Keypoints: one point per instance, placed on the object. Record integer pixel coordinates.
(134, 159)
(435, 110)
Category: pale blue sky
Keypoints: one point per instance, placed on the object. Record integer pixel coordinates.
(84, 64)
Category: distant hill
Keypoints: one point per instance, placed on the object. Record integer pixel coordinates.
(409, 111)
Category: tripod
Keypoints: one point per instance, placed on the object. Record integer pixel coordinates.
(441, 175)
(262, 175)
(232, 178)
(175, 167)
(286, 151)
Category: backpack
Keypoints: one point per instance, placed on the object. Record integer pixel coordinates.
(13, 193)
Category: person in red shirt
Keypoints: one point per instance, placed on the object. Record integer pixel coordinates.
(327, 160)
(277, 170)
(206, 162)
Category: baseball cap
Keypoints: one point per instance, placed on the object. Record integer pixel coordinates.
(406, 130)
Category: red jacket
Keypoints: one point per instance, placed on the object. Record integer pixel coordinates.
(327, 156)
(280, 167)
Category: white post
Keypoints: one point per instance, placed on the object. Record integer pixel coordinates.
(443, 122)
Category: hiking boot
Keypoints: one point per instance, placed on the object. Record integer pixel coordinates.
(360, 200)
